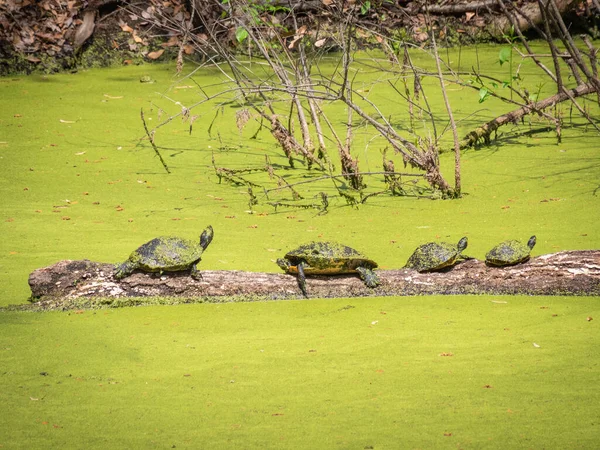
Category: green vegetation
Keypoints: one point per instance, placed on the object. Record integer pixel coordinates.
(429, 372)
(426, 372)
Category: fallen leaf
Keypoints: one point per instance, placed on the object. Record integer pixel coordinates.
(320, 42)
(448, 434)
(136, 38)
(111, 97)
(126, 28)
(589, 318)
(468, 16)
(17, 115)
(447, 354)
(536, 345)
(66, 121)
(80, 153)
(65, 218)
(155, 55)
(487, 386)
(253, 226)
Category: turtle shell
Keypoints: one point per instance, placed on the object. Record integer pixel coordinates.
(327, 258)
(167, 253)
(435, 255)
(509, 253)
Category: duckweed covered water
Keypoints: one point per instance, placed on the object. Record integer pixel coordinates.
(77, 183)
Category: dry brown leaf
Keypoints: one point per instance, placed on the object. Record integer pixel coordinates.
(155, 55)
(136, 38)
(320, 42)
(126, 28)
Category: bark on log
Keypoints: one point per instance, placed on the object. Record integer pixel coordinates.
(80, 284)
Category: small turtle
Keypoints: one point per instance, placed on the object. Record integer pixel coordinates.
(328, 258)
(509, 253)
(146, 79)
(436, 255)
(167, 253)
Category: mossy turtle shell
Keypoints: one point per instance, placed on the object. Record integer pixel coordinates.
(327, 258)
(511, 252)
(435, 255)
(167, 253)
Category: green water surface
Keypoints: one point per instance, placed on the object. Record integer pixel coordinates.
(346, 373)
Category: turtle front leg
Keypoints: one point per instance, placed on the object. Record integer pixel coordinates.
(123, 270)
(302, 278)
(369, 277)
(195, 273)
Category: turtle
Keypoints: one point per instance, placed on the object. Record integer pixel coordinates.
(166, 253)
(436, 256)
(509, 253)
(327, 258)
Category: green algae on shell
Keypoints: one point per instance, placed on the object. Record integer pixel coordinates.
(509, 253)
(167, 253)
(436, 255)
(328, 258)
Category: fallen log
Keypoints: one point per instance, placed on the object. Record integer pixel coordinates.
(80, 284)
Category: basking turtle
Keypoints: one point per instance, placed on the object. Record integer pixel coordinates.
(166, 253)
(435, 256)
(328, 258)
(509, 253)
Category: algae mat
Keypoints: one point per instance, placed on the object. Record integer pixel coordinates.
(77, 183)
(416, 372)
(427, 372)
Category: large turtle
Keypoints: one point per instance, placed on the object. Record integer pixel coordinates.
(509, 253)
(436, 255)
(167, 253)
(327, 258)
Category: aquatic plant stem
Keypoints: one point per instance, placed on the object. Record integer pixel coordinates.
(151, 139)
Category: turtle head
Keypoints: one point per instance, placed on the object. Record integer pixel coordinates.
(206, 237)
(284, 264)
(531, 242)
(462, 244)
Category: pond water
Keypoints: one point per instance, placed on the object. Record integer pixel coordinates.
(429, 372)
(77, 181)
